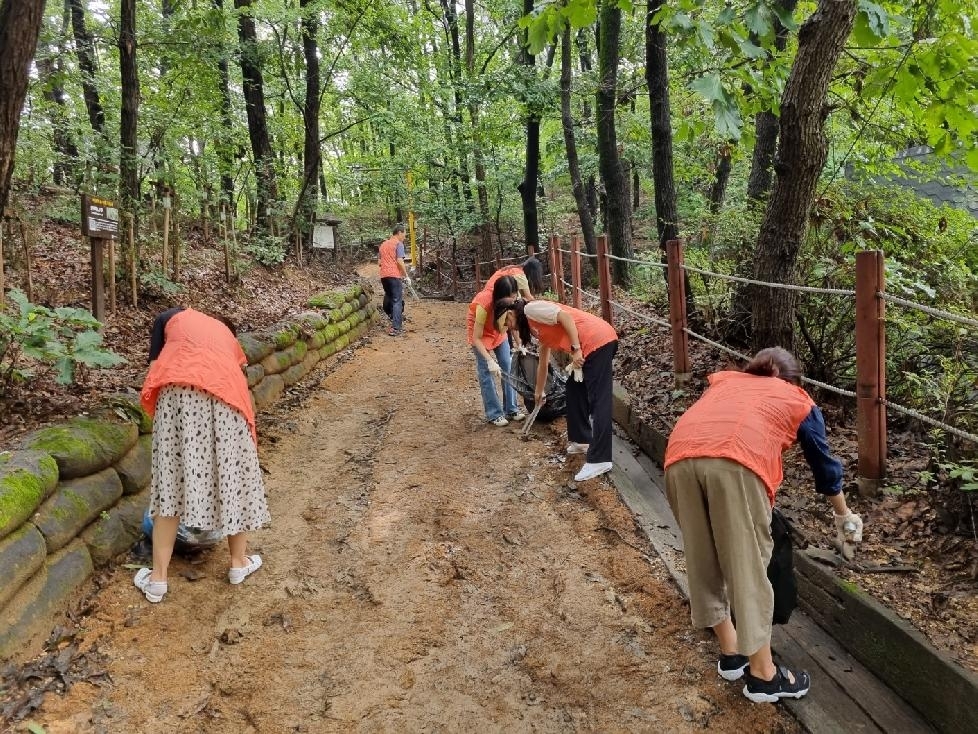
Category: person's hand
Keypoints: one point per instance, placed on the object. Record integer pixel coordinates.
(848, 529)
(575, 371)
(494, 368)
(407, 280)
(577, 359)
(539, 397)
(520, 349)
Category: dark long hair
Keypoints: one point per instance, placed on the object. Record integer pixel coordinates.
(515, 305)
(775, 362)
(533, 269)
(504, 287)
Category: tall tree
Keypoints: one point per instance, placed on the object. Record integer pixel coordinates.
(254, 95)
(480, 164)
(128, 121)
(225, 150)
(310, 119)
(51, 70)
(660, 113)
(20, 25)
(531, 173)
(802, 151)
(570, 143)
(766, 124)
(618, 208)
(85, 50)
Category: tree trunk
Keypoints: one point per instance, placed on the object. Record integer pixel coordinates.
(128, 163)
(50, 69)
(718, 191)
(455, 73)
(254, 94)
(20, 24)
(609, 162)
(802, 152)
(584, 58)
(660, 113)
(85, 50)
(310, 118)
(531, 172)
(766, 127)
(570, 143)
(225, 152)
(482, 192)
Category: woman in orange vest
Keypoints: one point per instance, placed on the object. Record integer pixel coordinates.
(205, 458)
(529, 278)
(723, 468)
(493, 358)
(591, 343)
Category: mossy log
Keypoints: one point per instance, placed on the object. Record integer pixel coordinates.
(27, 478)
(48, 592)
(74, 504)
(21, 554)
(84, 446)
(276, 363)
(255, 346)
(268, 391)
(255, 373)
(135, 468)
(117, 529)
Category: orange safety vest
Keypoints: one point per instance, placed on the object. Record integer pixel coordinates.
(593, 332)
(491, 337)
(200, 352)
(515, 270)
(746, 418)
(388, 258)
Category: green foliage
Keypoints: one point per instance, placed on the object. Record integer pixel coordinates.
(156, 282)
(60, 339)
(266, 249)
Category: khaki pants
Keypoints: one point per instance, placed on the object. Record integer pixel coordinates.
(725, 515)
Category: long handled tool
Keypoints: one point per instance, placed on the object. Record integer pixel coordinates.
(413, 292)
(532, 416)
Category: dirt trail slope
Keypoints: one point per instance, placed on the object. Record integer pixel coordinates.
(425, 572)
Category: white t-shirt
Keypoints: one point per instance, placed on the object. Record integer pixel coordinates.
(543, 312)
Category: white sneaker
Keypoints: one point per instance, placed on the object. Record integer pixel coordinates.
(500, 421)
(517, 416)
(154, 590)
(590, 471)
(576, 448)
(237, 575)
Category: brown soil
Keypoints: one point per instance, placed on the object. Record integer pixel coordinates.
(423, 572)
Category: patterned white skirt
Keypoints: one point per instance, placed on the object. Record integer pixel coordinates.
(205, 464)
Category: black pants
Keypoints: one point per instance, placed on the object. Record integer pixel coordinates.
(589, 404)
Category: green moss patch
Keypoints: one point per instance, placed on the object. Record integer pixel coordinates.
(27, 478)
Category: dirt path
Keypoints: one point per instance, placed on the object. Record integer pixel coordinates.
(424, 572)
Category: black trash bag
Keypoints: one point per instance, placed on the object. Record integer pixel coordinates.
(781, 569)
(523, 377)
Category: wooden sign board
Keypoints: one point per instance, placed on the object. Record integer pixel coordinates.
(99, 218)
(322, 237)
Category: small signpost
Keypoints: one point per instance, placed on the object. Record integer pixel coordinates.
(100, 223)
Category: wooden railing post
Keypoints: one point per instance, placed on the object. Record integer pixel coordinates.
(575, 271)
(677, 311)
(555, 242)
(604, 279)
(552, 251)
(437, 269)
(870, 371)
(478, 275)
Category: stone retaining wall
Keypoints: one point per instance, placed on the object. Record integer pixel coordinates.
(896, 653)
(72, 496)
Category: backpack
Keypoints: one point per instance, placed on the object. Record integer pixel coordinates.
(781, 571)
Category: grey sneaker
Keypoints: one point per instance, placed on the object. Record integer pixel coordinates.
(500, 421)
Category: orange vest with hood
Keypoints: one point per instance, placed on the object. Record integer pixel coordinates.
(200, 352)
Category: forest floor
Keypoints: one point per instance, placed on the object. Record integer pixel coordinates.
(426, 571)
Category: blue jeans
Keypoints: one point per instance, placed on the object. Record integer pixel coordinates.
(490, 398)
(394, 301)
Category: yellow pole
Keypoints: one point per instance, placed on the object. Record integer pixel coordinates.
(413, 241)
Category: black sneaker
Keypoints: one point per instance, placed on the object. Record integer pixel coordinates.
(770, 691)
(732, 667)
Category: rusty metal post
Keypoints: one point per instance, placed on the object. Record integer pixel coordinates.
(604, 279)
(870, 371)
(575, 271)
(677, 311)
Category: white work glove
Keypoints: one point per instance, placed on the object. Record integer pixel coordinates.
(848, 532)
(407, 280)
(522, 350)
(577, 372)
(494, 368)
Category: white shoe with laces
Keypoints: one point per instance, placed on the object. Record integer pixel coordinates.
(154, 591)
(577, 448)
(500, 421)
(590, 471)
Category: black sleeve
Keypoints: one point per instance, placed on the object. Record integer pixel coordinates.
(158, 337)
